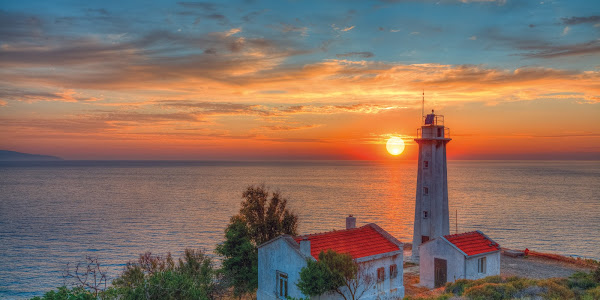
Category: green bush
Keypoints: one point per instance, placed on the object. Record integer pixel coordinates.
(582, 281)
(64, 293)
(592, 294)
(491, 291)
(458, 287)
(156, 277)
(556, 288)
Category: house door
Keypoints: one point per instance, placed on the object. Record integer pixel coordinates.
(440, 271)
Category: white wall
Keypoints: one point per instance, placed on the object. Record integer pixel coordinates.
(492, 267)
(278, 256)
(388, 289)
(439, 249)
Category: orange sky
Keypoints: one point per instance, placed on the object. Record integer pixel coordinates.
(332, 88)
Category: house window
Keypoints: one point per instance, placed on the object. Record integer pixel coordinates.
(425, 190)
(481, 265)
(380, 274)
(425, 214)
(282, 285)
(393, 271)
(424, 238)
(426, 164)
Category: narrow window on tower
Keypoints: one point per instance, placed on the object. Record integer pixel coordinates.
(425, 164)
(425, 190)
(439, 132)
(425, 214)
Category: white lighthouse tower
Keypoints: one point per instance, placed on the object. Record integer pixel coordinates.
(431, 207)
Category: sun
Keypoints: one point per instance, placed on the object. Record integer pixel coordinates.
(395, 146)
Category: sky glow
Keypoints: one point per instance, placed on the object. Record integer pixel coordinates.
(239, 80)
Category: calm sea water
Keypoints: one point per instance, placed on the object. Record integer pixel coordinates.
(54, 213)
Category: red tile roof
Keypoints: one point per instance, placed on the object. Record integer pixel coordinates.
(473, 242)
(358, 242)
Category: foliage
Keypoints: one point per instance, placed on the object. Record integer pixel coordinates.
(335, 272)
(157, 277)
(582, 281)
(263, 216)
(596, 275)
(592, 294)
(580, 285)
(491, 291)
(64, 293)
(458, 287)
(240, 262)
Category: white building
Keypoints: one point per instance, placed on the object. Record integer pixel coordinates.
(470, 255)
(431, 206)
(379, 255)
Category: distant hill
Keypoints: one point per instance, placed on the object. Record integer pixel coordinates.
(6, 155)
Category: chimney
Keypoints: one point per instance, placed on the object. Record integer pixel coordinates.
(305, 247)
(350, 222)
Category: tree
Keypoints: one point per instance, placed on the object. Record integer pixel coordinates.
(263, 216)
(334, 272)
(266, 218)
(241, 258)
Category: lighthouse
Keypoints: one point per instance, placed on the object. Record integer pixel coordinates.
(431, 207)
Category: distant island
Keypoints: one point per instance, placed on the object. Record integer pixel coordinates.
(6, 155)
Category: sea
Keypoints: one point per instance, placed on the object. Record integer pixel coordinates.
(56, 213)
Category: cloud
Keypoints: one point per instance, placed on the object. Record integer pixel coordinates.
(217, 108)
(233, 31)
(473, 38)
(356, 54)
(348, 28)
(292, 28)
(588, 48)
(199, 5)
(580, 20)
(566, 30)
(30, 96)
(288, 127)
(538, 48)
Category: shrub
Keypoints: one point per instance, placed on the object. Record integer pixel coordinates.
(458, 287)
(492, 291)
(64, 293)
(157, 277)
(592, 294)
(582, 281)
(556, 289)
(596, 275)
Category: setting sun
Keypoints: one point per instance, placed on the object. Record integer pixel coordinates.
(395, 146)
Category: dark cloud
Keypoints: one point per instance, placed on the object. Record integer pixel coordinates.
(19, 27)
(356, 54)
(136, 117)
(217, 108)
(535, 47)
(252, 15)
(208, 6)
(580, 20)
(100, 11)
(553, 51)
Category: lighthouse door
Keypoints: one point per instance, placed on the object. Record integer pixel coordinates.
(440, 271)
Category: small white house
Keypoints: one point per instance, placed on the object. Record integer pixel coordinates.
(469, 255)
(379, 255)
